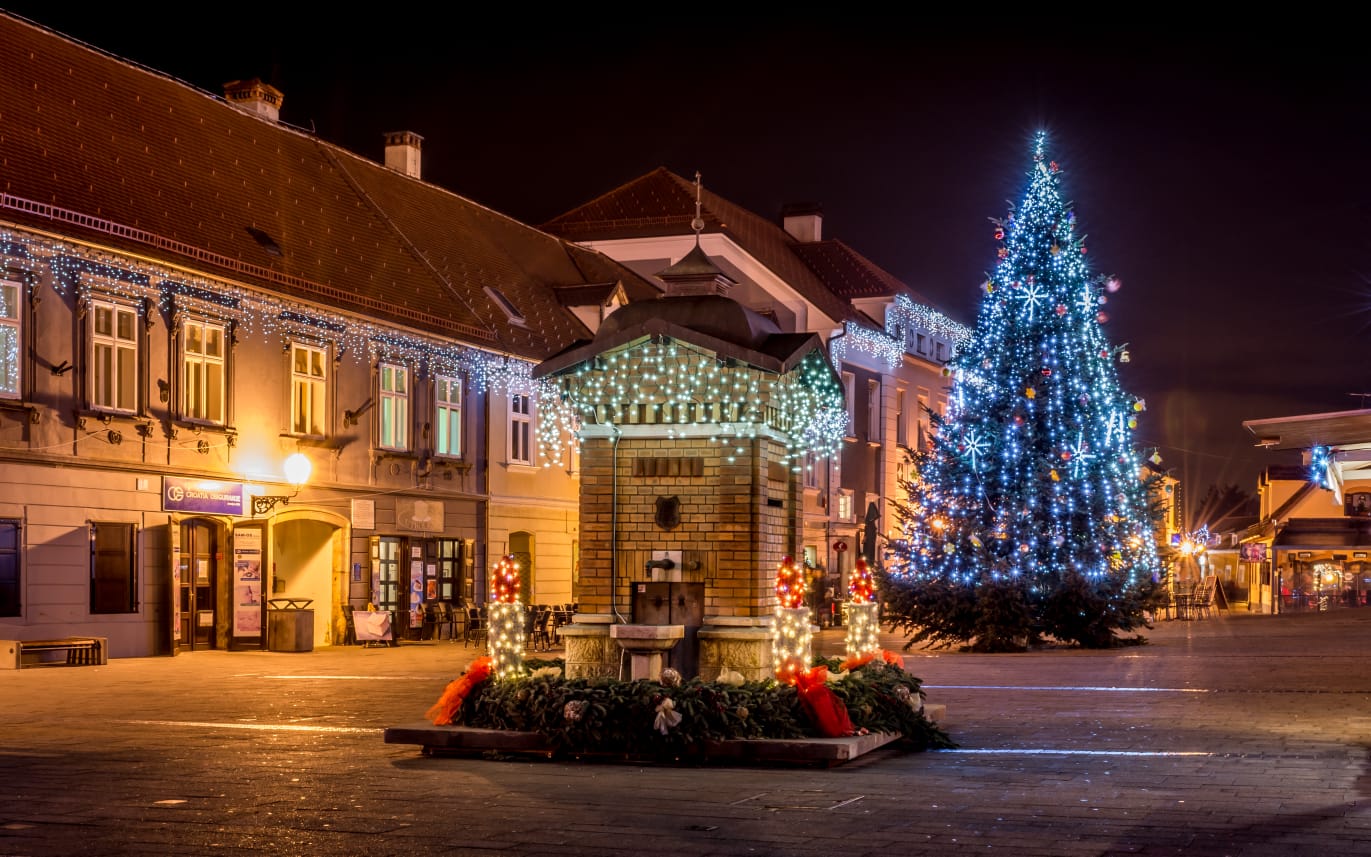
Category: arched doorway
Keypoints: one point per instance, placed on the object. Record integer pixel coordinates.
(308, 559)
(521, 548)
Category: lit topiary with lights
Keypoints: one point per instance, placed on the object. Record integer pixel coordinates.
(863, 613)
(794, 634)
(506, 634)
(1029, 514)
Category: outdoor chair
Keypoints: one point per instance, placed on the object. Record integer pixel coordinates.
(540, 637)
(1202, 601)
(475, 628)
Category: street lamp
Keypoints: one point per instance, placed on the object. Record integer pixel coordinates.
(297, 468)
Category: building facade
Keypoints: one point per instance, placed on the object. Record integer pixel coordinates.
(195, 296)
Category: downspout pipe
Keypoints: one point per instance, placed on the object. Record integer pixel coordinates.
(614, 527)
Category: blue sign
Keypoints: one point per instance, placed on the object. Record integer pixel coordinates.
(201, 495)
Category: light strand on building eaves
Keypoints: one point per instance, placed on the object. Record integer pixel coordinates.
(84, 273)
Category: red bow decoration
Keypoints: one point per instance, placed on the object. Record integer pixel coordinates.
(855, 661)
(450, 703)
(824, 706)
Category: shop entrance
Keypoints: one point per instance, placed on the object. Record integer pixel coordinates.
(198, 580)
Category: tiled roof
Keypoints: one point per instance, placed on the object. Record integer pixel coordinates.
(663, 203)
(101, 149)
(849, 274)
(828, 273)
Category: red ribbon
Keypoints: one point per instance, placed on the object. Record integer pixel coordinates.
(450, 703)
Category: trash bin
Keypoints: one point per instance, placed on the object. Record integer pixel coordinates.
(290, 625)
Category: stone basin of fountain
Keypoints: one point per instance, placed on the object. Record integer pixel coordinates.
(646, 644)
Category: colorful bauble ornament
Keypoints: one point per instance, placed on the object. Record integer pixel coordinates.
(1056, 477)
(1084, 250)
(1053, 166)
(1003, 253)
(1047, 372)
(1112, 284)
(1066, 455)
(999, 234)
(1054, 250)
(1102, 316)
(1061, 309)
(1023, 548)
(1030, 392)
(1156, 458)
(1140, 405)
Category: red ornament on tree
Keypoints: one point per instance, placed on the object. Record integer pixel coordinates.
(999, 234)
(1061, 309)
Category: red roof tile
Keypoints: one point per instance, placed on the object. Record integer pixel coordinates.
(137, 161)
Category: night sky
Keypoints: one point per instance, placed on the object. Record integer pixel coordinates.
(1222, 174)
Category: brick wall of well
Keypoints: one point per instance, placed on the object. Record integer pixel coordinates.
(730, 536)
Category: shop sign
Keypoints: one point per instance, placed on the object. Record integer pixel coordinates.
(201, 495)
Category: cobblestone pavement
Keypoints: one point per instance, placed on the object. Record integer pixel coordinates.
(1234, 735)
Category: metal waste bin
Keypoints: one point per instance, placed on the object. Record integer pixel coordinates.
(290, 625)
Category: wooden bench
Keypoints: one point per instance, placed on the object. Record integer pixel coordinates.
(77, 651)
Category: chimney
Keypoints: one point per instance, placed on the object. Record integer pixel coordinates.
(255, 96)
(402, 152)
(803, 221)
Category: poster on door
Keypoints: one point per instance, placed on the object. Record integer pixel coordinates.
(247, 582)
(416, 593)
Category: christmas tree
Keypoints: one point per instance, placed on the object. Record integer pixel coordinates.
(1029, 516)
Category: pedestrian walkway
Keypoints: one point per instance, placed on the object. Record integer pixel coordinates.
(1236, 735)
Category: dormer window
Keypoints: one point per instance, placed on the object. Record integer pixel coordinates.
(506, 305)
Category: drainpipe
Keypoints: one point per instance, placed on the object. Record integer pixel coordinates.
(614, 529)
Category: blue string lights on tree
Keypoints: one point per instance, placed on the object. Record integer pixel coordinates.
(1030, 513)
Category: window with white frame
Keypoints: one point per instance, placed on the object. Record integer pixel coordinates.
(394, 406)
(901, 417)
(11, 330)
(850, 394)
(520, 428)
(114, 355)
(873, 410)
(447, 418)
(845, 504)
(308, 389)
(204, 390)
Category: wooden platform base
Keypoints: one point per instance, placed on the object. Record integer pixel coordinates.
(466, 741)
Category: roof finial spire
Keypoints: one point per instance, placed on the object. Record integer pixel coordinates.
(698, 224)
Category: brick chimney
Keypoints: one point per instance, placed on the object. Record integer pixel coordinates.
(255, 96)
(402, 152)
(803, 221)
